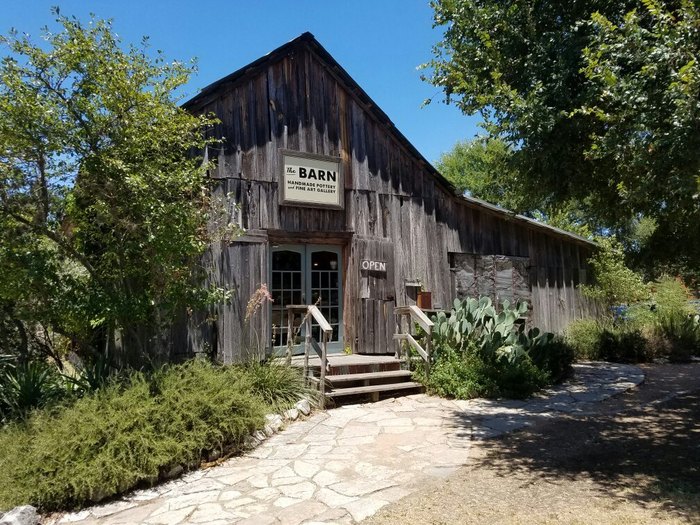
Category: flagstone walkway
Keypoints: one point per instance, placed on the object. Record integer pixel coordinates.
(342, 465)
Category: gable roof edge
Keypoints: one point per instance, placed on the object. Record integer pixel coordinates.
(356, 90)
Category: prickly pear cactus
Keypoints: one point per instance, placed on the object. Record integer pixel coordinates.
(476, 324)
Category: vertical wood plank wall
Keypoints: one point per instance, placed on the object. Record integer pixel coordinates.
(392, 202)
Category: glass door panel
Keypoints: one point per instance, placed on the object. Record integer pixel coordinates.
(306, 274)
(324, 266)
(287, 288)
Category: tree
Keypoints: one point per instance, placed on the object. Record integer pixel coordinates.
(103, 206)
(599, 101)
(484, 168)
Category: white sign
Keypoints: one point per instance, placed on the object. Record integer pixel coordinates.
(373, 266)
(311, 180)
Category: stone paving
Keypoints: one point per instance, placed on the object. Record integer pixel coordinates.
(342, 465)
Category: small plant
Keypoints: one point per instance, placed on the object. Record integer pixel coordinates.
(92, 374)
(482, 350)
(583, 336)
(280, 386)
(663, 326)
(615, 283)
(27, 386)
(260, 297)
(682, 331)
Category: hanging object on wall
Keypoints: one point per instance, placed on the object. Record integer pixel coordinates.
(311, 180)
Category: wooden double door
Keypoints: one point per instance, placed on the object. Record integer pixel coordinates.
(306, 274)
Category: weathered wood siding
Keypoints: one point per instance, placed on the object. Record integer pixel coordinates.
(395, 206)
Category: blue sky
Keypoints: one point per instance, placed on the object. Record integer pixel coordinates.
(380, 43)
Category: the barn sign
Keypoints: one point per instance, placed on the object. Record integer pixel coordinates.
(311, 180)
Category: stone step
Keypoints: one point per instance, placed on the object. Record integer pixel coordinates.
(369, 376)
(371, 389)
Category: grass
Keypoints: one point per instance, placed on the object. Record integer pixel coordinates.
(128, 434)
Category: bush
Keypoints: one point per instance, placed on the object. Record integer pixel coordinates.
(128, 434)
(602, 340)
(583, 336)
(554, 358)
(482, 351)
(278, 385)
(468, 375)
(665, 327)
(26, 386)
(681, 333)
(624, 345)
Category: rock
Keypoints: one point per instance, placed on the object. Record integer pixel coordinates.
(274, 421)
(24, 515)
(251, 442)
(174, 472)
(303, 406)
(292, 414)
(214, 455)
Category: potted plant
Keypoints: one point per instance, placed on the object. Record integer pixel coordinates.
(424, 299)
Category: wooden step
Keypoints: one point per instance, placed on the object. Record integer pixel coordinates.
(390, 365)
(344, 378)
(373, 388)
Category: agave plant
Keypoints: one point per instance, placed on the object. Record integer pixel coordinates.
(27, 386)
(92, 374)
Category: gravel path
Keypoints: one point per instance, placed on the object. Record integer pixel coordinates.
(631, 459)
(343, 465)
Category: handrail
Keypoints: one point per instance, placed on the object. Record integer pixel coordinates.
(310, 342)
(316, 313)
(415, 316)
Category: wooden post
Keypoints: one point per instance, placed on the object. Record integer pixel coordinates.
(397, 323)
(290, 335)
(324, 361)
(307, 345)
(429, 351)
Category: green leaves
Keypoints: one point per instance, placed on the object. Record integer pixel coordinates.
(476, 324)
(97, 166)
(599, 102)
(615, 283)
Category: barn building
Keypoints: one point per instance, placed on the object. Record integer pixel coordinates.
(341, 211)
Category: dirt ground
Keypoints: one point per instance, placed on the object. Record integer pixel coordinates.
(634, 459)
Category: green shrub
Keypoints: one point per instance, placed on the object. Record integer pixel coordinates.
(484, 351)
(554, 358)
(465, 375)
(583, 336)
(278, 385)
(624, 345)
(615, 283)
(664, 327)
(459, 375)
(128, 433)
(670, 297)
(26, 386)
(681, 333)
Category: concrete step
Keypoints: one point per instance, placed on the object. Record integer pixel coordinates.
(369, 376)
(371, 389)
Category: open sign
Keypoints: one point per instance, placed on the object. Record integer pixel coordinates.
(373, 266)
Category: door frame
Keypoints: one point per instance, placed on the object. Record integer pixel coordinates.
(306, 250)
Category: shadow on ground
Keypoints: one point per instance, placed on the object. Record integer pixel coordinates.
(645, 455)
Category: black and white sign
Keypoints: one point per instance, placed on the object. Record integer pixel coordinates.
(311, 180)
(373, 266)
